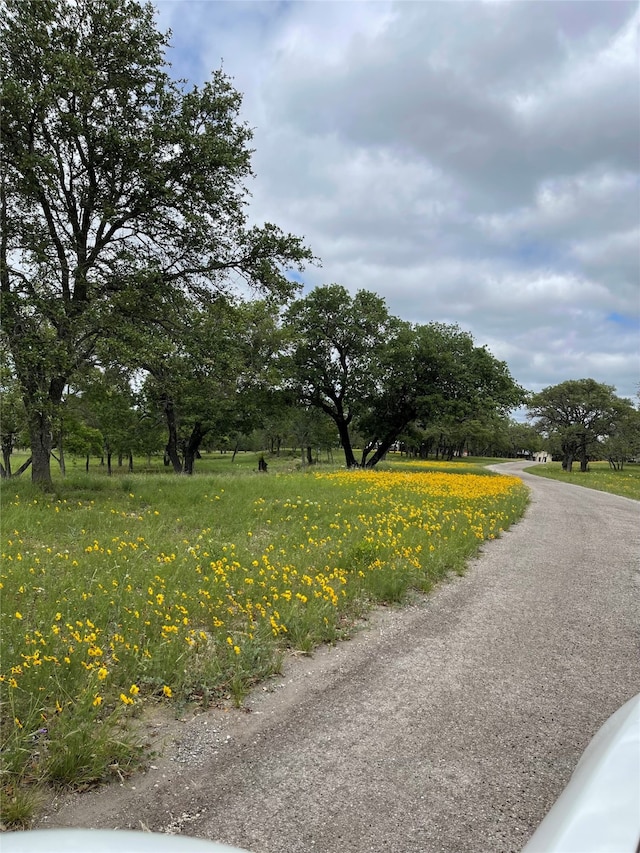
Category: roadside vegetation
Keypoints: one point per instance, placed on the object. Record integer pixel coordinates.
(127, 590)
(600, 476)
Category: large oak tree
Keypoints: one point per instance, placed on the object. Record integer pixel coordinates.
(434, 374)
(121, 192)
(370, 371)
(334, 355)
(579, 413)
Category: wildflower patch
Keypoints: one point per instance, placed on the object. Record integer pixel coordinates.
(194, 592)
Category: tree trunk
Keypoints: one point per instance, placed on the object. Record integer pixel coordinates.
(192, 446)
(584, 458)
(109, 462)
(40, 439)
(382, 449)
(345, 440)
(21, 469)
(172, 443)
(438, 446)
(6, 458)
(61, 460)
(131, 462)
(366, 450)
(309, 455)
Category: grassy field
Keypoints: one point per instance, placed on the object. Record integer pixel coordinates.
(600, 476)
(140, 588)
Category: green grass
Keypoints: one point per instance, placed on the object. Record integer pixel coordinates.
(139, 588)
(244, 462)
(600, 476)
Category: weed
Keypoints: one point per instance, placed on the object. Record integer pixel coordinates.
(19, 805)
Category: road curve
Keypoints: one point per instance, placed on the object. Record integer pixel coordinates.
(448, 726)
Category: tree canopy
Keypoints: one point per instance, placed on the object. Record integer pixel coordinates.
(122, 193)
(333, 361)
(373, 372)
(579, 414)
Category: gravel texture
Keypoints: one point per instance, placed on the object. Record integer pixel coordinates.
(447, 726)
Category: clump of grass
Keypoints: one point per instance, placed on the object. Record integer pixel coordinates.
(82, 747)
(162, 589)
(18, 805)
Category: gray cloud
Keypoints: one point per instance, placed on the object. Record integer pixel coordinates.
(492, 93)
(471, 162)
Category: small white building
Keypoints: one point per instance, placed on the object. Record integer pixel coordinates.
(542, 456)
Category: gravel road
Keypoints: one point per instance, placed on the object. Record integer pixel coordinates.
(448, 726)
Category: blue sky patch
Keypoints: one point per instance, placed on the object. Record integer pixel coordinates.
(625, 322)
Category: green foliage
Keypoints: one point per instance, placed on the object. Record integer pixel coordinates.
(12, 418)
(123, 194)
(18, 806)
(83, 747)
(81, 439)
(101, 400)
(213, 379)
(579, 414)
(375, 374)
(334, 355)
(523, 438)
(623, 443)
(435, 376)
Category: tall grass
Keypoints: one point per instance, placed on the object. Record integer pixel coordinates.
(116, 592)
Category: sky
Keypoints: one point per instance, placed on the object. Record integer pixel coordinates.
(475, 163)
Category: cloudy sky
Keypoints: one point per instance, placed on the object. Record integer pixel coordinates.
(473, 162)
